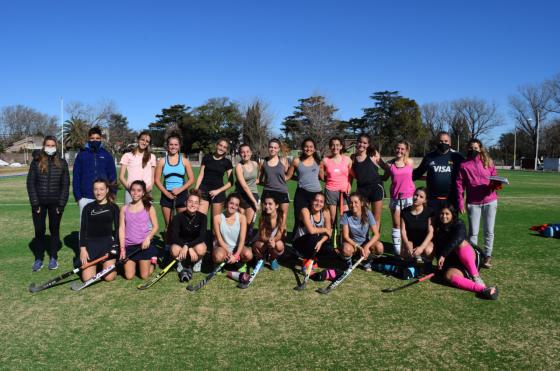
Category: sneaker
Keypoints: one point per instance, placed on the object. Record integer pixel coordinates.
(37, 265)
(367, 265)
(487, 263)
(179, 267)
(274, 265)
(197, 266)
(186, 274)
(479, 280)
(53, 264)
(488, 294)
(243, 269)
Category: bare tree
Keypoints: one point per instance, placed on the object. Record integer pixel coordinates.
(256, 127)
(554, 86)
(95, 115)
(434, 117)
(479, 115)
(18, 121)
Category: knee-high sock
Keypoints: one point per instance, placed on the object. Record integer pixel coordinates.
(466, 284)
(396, 235)
(467, 258)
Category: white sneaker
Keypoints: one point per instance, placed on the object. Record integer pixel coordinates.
(479, 280)
(197, 266)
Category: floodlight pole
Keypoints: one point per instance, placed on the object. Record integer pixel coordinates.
(62, 124)
(537, 142)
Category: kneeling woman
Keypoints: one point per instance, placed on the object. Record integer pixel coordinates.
(270, 243)
(416, 228)
(188, 233)
(136, 231)
(230, 230)
(457, 259)
(356, 224)
(314, 227)
(99, 229)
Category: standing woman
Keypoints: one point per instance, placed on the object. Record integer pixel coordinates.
(99, 230)
(138, 165)
(137, 226)
(482, 200)
(270, 242)
(247, 176)
(47, 186)
(456, 258)
(356, 225)
(402, 187)
(273, 176)
(307, 167)
(335, 172)
(230, 230)
(365, 171)
(416, 228)
(174, 166)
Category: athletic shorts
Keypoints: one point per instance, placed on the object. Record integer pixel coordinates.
(333, 197)
(144, 254)
(220, 198)
(279, 197)
(305, 244)
(180, 200)
(246, 202)
(98, 246)
(372, 193)
(396, 204)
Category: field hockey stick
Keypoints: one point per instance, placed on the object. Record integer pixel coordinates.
(210, 275)
(338, 281)
(307, 273)
(417, 280)
(52, 282)
(336, 233)
(157, 277)
(256, 270)
(77, 286)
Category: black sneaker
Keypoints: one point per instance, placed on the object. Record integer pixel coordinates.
(186, 274)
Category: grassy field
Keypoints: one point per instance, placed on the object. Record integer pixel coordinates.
(270, 326)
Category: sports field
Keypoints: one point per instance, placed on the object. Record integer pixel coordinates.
(271, 326)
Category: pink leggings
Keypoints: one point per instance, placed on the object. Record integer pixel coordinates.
(467, 258)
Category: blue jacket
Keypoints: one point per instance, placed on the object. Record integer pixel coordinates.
(90, 165)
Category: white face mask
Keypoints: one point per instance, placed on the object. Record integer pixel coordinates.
(50, 150)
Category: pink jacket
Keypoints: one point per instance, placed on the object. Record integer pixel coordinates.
(473, 178)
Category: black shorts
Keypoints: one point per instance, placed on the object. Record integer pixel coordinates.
(99, 246)
(279, 197)
(180, 200)
(372, 193)
(142, 255)
(246, 202)
(220, 198)
(305, 244)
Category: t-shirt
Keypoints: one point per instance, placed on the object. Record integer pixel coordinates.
(214, 171)
(358, 231)
(135, 171)
(416, 225)
(99, 221)
(188, 229)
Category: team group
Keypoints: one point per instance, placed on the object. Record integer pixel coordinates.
(425, 222)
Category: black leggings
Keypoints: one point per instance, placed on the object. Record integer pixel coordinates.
(39, 222)
(305, 244)
(302, 199)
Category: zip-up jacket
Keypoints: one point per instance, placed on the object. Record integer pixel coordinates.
(90, 165)
(473, 178)
(50, 187)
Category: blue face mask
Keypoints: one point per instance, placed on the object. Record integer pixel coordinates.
(94, 144)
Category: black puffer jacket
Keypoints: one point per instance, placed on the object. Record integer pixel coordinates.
(50, 187)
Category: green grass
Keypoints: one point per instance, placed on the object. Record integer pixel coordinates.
(428, 326)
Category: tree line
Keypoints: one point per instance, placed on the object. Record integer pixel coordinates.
(389, 118)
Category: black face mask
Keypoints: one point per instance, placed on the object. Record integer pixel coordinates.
(472, 153)
(443, 147)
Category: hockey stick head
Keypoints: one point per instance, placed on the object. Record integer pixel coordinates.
(323, 290)
(33, 287)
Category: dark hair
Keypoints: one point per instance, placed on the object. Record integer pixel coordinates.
(265, 222)
(275, 140)
(233, 195)
(110, 187)
(440, 133)
(341, 143)
(147, 153)
(244, 145)
(439, 226)
(194, 192)
(146, 198)
(43, 157)
(173, 134)
(94, 130)
(310, 205)
(425, 190)
(371, 149)
(315, 154)
(363, 209)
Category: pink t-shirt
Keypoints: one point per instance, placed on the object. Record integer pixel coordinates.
(135, 171)
(336, 174)
(401, 182)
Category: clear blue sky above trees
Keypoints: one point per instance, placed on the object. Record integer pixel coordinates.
(148, 55)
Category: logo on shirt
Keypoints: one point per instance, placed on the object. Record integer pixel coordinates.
(93, 212)
(432, 163)
(442, 169)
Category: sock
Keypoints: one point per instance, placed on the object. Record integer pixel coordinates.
(396, 234)
(467, 258)
(466, 284)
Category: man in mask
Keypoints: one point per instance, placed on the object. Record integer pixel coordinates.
(442, 166)
(92, 162)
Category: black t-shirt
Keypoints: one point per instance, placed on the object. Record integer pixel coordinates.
(99, 221)
(214, 171)
(442, 171)
(417, 225)
(188, 229)
(365, 172)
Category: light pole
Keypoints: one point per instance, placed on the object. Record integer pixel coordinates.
(537, 141)
(514, 144)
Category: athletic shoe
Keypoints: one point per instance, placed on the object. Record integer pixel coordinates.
(37, 265)
(367, 265)
(488, 295)
(274, 265)
(197, 266)
(179, 267)
(186, 274)
(242, 269)
(53, 264)
(487, 263)
(479, 280)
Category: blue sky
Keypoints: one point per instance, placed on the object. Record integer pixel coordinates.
(147, 55)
